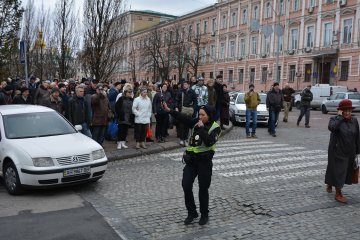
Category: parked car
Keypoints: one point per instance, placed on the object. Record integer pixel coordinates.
(40, 148)
(320, 92)
(331, 104)
(237, 109)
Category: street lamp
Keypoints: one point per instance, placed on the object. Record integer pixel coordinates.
(40, 44)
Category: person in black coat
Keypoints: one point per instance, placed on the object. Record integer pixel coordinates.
(343, 147)
(123, 110)
(306, 98)
(274, 102)
(219, 93)
(198, 159)
(24, 98)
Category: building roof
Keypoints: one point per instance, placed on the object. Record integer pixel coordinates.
(152, 13)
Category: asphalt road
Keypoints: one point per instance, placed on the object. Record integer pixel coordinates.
(265, 188)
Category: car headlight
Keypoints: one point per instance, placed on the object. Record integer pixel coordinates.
(98, 154)
(43, 162)
(241, 111)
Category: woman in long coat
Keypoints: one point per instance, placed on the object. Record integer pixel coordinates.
(225, 103)
(343, 148)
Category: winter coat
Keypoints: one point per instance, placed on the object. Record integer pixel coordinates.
(123, 110)
(79, 111)
(219, 93)
(287, 92)
(190, 99)
(224, 115)
(306, 97)
(54, 103)
(274, 101)
(21, 100)
(41, 95)
(166, 97)
(252, 101)
(344, 145)
(113, 92)
(201, 93)
(100, 109)
(142, 110)
(212, 96)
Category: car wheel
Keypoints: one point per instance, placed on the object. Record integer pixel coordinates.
(11, 179)
(324, 110)
(298, 105)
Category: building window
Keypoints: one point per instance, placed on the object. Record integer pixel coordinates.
(329, 1)
(222, 50)
(242, 47)
(211, 75)
(308, 72)
(197, 29)
(190, 32)
(205, 26)
(252, 75)
(223, 22)
(244, 17)
(231, 76)
(310, 36)
(213, 25)
(203, 53)
(151, 19)
(294, 39)
(241, 76)
(139, 17)
(212, 52)
(311, 3)
(268, 10)
(328, 34)
(256, 12)
(344, 71)
(264, 74)
(347, 29)
(232, 49)
(292, 72)
(279, 74)
(234, 19)
(280, 43)
(254, 43)
(296, 5)
(282, 7)
(267, 44)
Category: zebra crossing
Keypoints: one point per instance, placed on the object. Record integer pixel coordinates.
(256, 161)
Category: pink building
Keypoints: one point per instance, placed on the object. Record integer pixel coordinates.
(299, 42)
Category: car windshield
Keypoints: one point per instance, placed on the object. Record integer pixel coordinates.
(30, 125)
(354, 96)
(240, 99)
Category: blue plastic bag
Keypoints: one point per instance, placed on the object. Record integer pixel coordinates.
(112, 131)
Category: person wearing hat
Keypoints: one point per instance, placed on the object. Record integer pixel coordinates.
(252, 101)
(198, 159)
(344, 146)
(306, 98)
(54, 101)
(6, 95)
(202, 94)
(274, 103)
(24, 97)
(100, 110)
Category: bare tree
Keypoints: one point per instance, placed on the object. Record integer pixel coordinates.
(104, 24)
(180, 46)
(193, 53)
(65, 35)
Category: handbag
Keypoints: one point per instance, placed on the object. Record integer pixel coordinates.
(149, 132)
(186, 110)
(112, 130)
(355, 179)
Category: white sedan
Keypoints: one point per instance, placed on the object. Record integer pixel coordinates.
(40, 148)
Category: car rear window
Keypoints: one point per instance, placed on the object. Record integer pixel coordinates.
(29, 125)
(354, 96)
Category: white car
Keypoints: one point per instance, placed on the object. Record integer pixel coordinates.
(40, 148)
(332, 103)
(237, 109)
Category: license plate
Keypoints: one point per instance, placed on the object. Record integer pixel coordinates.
(76, 171)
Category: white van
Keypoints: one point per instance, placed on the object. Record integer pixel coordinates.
(320, 92)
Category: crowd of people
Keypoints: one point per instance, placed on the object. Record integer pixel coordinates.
(92, 104)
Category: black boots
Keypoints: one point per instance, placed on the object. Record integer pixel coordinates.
(203, 220)
(190, 218)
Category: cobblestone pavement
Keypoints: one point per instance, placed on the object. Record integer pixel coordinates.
(265, 188)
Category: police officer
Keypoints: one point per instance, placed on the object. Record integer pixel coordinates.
(198, 158)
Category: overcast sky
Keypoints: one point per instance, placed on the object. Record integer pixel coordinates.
(173, 7)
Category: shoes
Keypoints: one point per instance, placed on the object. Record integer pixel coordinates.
(142, 144)
(274, 135)
(190, 218)
(119, 145)
(203, 220)
(123, 144)
(137, 145)
(186, 143)
(307, 126)
(253, 135)
(328, 188)
(182, 143)
(285, 120)
(297, 123)
(339, 197)
(248, 136)
(149, 140)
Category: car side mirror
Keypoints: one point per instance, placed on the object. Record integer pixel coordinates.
(78, 128)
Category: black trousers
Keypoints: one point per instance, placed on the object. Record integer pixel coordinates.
(140, 132)
(162, 123)
(304, 110)
(122, 132)
(183, 131)
(203, 170)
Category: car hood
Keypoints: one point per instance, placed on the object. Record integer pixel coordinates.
(242, 106)
(57, 146)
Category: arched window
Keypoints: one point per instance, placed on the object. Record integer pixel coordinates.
(256, 12)
(244, 17)
(268, 10)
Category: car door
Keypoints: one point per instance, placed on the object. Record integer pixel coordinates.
(330, 103)
(232, 107)
(336, 102)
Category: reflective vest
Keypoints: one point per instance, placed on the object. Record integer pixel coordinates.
(202, 148)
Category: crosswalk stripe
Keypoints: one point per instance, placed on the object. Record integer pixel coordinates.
(272, 169)
(243, 143)
(265, 162)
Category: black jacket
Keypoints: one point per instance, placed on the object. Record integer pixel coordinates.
(306, 97)
(274, 100)
(78, 111)
(190, 99)
(21, 100)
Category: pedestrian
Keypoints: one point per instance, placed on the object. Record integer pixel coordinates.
(306, 98)
(64, 97)
(219, 93)
(198, 158)
(54, 101)
(24, 98)
(287, 92)
(224, 115)
(100, 109)
(162, 117)
(201, 92)
(252, 101)
(123, 110)
(142, 111)
(6, 95)
(343, 147)
(42, 93)
(274, 101)
(79, 111)
(212, 96)
(113, 92)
